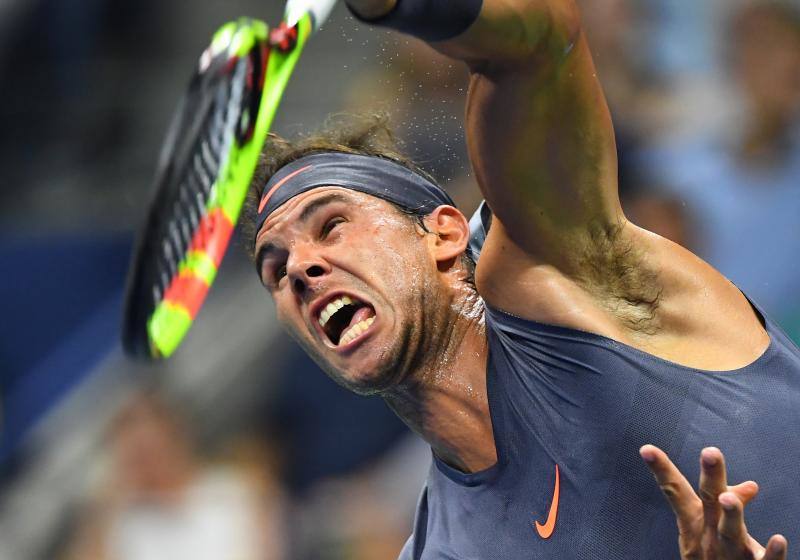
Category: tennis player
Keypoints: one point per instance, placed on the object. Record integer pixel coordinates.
(539, 375)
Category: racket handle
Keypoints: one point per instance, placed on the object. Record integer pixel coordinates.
(318, 9)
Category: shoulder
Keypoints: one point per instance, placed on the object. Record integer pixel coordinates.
(632, 286)
(605, 286)
(702, 319)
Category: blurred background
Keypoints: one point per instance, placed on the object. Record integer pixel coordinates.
(241, 448)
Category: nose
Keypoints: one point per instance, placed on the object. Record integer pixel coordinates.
(304, 271)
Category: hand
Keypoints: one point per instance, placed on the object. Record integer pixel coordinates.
(711, 521)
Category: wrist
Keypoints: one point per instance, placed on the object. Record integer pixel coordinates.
(371, 9)
(429, 20)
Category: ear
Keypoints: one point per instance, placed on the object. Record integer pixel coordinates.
(451, 233)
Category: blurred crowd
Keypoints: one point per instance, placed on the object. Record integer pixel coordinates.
(158, 494)
(705, 97)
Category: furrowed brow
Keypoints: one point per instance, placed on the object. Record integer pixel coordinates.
(317, 204)
(312, 208)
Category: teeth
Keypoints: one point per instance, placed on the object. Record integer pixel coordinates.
(355, 330)
(332, 308)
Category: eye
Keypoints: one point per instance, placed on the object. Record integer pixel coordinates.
(330, 225)
(273, 275)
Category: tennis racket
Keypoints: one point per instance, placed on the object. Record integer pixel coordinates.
(204, 171)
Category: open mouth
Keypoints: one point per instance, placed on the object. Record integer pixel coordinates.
(345, 318)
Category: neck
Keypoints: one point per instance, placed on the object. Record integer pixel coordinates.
(445, 400)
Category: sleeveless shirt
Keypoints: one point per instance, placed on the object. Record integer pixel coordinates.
(570, 411)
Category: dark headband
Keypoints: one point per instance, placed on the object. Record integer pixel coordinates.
(367, 174)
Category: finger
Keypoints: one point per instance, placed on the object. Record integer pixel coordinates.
(732, 533)
(776, 548)
(745, 491)
(673, 484)
(713, 482)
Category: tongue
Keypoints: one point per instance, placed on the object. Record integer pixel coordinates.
(362, 314)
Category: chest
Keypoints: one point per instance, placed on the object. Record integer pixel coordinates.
(570, 483)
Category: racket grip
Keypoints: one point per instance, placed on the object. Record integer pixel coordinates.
(319, 10)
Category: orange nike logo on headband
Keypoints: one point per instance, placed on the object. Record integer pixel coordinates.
(278, 185)
(545, 531)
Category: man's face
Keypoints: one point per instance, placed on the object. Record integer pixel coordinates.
(350, 276)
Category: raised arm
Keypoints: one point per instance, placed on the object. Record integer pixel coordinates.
(539, 134)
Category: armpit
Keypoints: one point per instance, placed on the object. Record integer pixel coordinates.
(618, 274)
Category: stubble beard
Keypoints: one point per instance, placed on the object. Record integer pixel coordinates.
(417, 357)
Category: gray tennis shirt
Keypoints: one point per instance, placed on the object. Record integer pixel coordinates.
(584, 404)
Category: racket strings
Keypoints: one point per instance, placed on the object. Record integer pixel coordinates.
(201, 173)
(203, 170)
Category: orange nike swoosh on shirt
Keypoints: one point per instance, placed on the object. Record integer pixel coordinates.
(546, 531)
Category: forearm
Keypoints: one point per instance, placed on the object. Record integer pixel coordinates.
(538, 130)
(481, 31)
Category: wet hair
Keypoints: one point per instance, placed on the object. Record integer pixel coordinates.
(364, 134)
